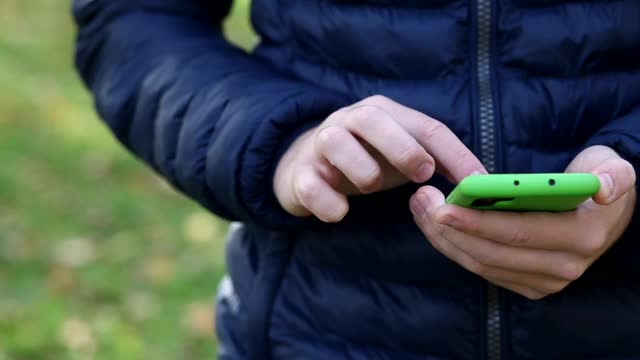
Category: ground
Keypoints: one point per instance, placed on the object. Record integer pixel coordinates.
(99, 258)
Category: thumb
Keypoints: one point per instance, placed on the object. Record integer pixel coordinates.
(617, 176)
(426, 201)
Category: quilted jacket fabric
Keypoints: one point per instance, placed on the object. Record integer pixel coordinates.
(526, 84)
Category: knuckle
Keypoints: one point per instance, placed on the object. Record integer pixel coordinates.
(592, 245)
(632, 172)
(430, 128)
(479, 269)
(371, 182)
(307, 189)
(487, 259)
(597, 148)
(532, 294)
(552, 287)
(413, 154)
(519, 237)
(572, 270)
(439, 231)
(328, 137)
(447, 213)
(335, 215)
(376, 99)
(431, 236)
(470, 223)
(362, 116)
(461, 156)
(434, 238)
(342, 112)
(338, 116)
(628, 171)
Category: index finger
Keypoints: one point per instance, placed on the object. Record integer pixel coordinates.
(535, 230)
(439, 141)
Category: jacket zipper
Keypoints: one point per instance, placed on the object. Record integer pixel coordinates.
(487, 155)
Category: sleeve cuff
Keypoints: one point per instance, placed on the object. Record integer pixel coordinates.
(264, 152)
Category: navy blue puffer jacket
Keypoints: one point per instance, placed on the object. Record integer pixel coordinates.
(526, 84)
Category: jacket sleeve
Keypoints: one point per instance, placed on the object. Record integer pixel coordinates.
(623, 135)
(209, 117)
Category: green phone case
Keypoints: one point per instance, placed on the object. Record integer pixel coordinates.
(525, 192)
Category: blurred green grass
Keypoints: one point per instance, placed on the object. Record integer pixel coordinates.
(99, 259)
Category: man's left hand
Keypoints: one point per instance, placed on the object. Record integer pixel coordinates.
(534, 253)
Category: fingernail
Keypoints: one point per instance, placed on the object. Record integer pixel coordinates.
(606, 184)
(424, 173)
(423, 202)
(416, 207)
(476, 172)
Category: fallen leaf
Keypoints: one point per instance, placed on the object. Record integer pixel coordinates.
(77, 335)
(74, 252)
(141, 305)
(60, 278)
(200, 227)
(106, 320)
(198, 319)
(159, 269)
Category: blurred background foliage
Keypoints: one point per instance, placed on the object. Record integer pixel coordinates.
(99, 259)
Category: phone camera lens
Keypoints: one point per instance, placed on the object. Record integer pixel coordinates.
(552, 182)
(516, 183)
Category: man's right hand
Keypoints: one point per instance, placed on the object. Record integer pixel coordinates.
(373, 145)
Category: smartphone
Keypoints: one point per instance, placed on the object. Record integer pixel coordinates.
(525, 192)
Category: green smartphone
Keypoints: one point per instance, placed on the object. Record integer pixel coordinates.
(525, 192)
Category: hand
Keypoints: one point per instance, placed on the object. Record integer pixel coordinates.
(373, 145)
(534, 253)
